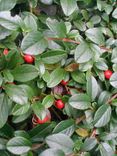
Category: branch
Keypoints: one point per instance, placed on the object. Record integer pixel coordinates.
(78, 120)
(37, 146)
(112, 98)
(93, 134)
(73, 41)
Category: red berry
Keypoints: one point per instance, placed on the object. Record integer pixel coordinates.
(108, 74)
(64, 83)
(46, 119)
(59, 104)
(5, 52)
(28, 58)
(37, 120)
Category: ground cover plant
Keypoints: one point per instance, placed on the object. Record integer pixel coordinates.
(58, 77)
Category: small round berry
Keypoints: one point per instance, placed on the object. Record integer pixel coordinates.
(59, 104)
(6, 51)
(64, 83)
(28, 59)
(108, 74)
(36, 120)
(46, 119)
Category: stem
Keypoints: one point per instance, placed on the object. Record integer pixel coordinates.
(56, 114)
(36, 146)
(73, 41)
(112, 98)
(78, 120)
(93, 134)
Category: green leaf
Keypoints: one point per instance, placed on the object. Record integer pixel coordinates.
(83, 53)
(58, 28)
(34, 43)
(106, 136)
(20, 110)
(4, 33)
(21, 118)
(9, 22)
(52, 152)
(8, 76)
(80, 25)
(106, 149)
(25, 73)
(102, 115)
(101, 65)
(33, 3)
(114, 55)
(92, 87)
(18, 145)
(89, 144)
(78, 77)
(103, 97)
(21, 133)
(6, 5)
(52, 57)
(66, 127)
(56, 77)
(47, 2)
(30, 22)
(95, 35)
(114, 14)
(41, 131)
(39, 110)
(113, 80)
(80, 101)
(87, 51)
(3, 109)
(28, 90)
(68, 6)
(60, 141)
(48, 101)
(3, 144)
(16, 94)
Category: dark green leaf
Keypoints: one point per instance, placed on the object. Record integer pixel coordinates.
(25, 73)
(102, 116)
(58, 28)
(80, 101)
(18, 145)
(41, 131)
(16, 93)
(114, 14)
(60, 141)
(66, 127)
(52, 152)
(48, 101)
(20, 110)
(92, 87)
(56, 77)
(6, 5)
(89, 144)
(78, 77)
(52, 57)
(113, 80)
(106, 149)
(3, 109)
(95, 35)
(68, 6)
(34, 43)
(9, 22)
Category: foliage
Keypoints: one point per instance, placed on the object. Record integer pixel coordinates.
(70, 44)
